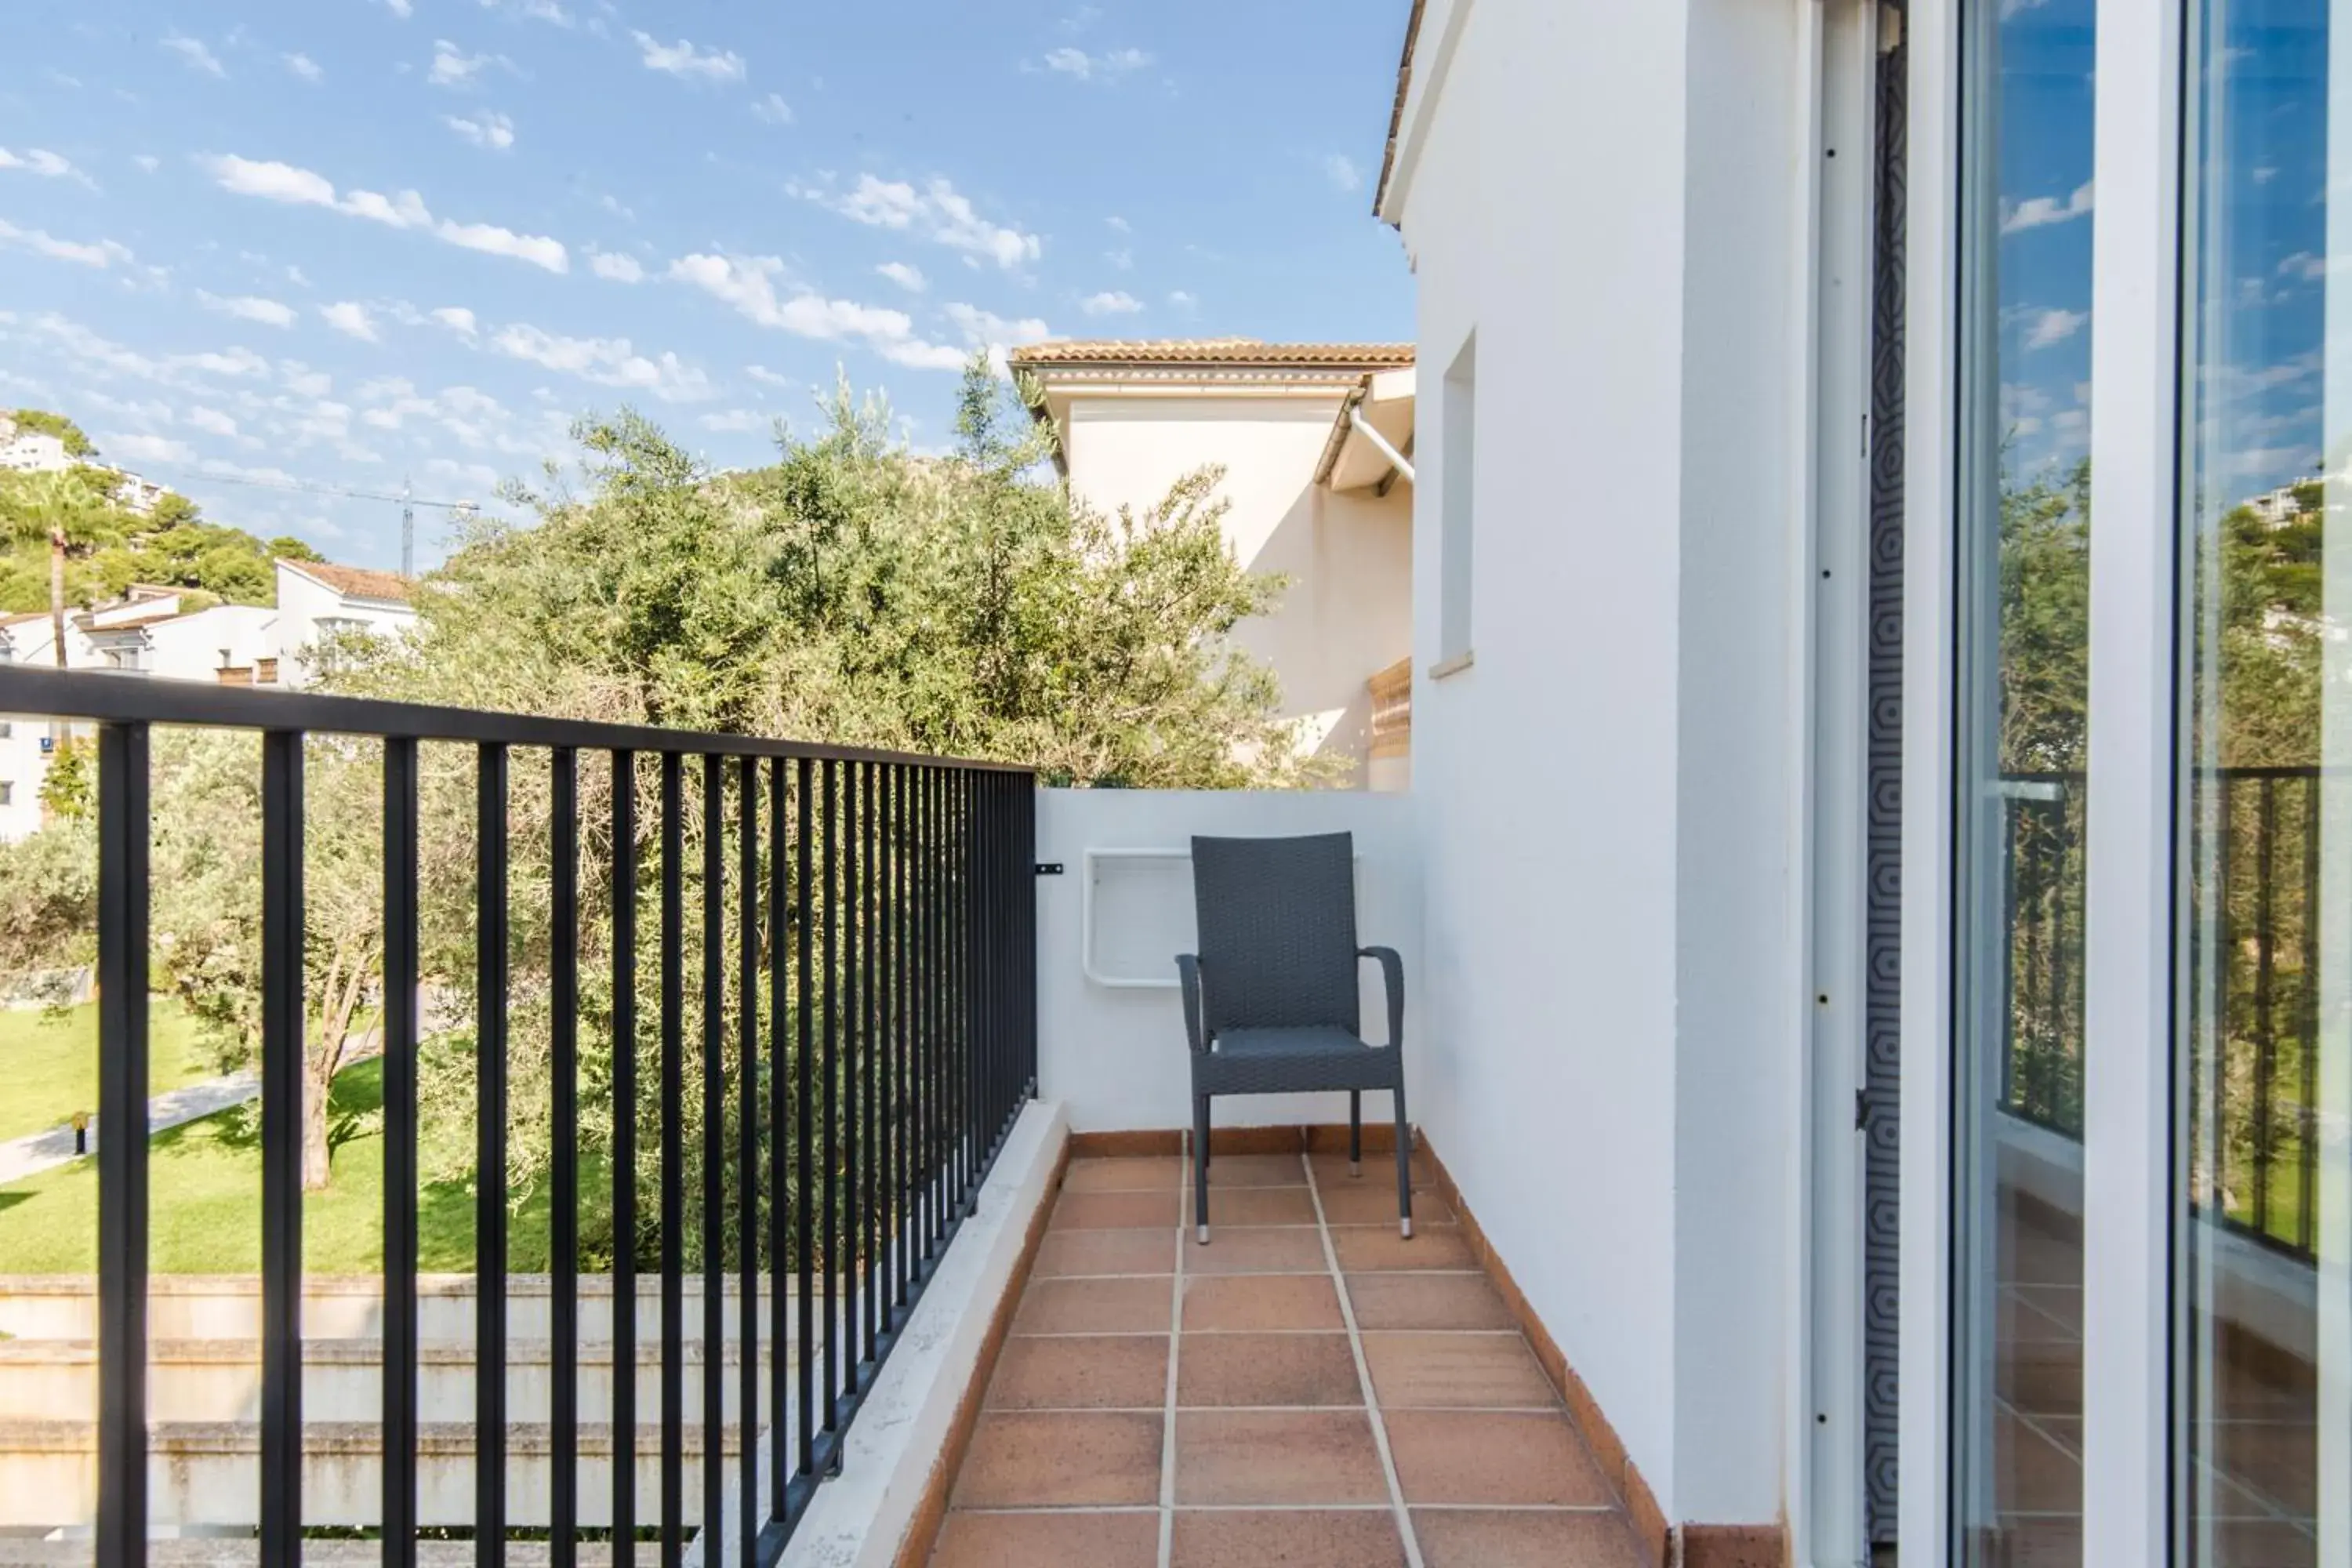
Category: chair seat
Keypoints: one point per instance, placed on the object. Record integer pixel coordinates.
(1273, 1061)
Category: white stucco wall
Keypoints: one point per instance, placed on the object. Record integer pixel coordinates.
(1604, 797)
(1347, 611)
(190, 648)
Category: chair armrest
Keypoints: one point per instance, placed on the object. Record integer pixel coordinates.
(1392, 972)
(1188, 973)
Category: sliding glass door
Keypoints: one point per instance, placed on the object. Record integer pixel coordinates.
(2264, 839)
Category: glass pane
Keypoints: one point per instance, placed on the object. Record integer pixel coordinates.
(2262, 979)
(2024, 585)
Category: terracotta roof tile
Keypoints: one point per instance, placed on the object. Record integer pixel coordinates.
(357, 582)
(1396, 110)
(1215, 352)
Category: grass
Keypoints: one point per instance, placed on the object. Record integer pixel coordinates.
(205, 1205)
(50, 1061)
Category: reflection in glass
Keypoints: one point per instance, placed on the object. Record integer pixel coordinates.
(2260, 975)
(2024, 587)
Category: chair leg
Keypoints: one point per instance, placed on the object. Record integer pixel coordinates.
(1355, 1132)
(1404, 1167)
(1200, 1166)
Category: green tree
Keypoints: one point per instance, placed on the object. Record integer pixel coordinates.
(41, 422)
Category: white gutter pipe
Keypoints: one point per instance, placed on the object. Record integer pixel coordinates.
(1364, 427)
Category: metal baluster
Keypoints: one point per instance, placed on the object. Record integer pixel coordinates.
(2265, 1037)
(853, 1218)
(714, 1150)
(779, 1468)
(490, 1163)
(122, 1083)
(282, 1091)
(400, 1171)
(673, 1137)
(564, 1215)
(2307, 1028)
(868, 916)
(747, 1161)
(803, 1007)
(828, 1067)
(624, 1158)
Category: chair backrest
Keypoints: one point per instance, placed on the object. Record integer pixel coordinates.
(1277, 922)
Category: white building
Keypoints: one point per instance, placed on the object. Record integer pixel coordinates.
(38, 452)
(317, 602)
(1308, 495)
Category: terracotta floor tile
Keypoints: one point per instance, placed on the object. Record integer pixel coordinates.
(1455, 1371)
(1082, 1461)
(1153, 1173)
(1305, 1457)
(1115, 1210)
(1473, 1538)
(1027, 1540)
(1491, 1457)
(1095, 1307)
(1375, 1248)
(1127, 1372)
(1266, 1369)
(1345, 1538)
(1260, 1301)
(1331, 1170)
(1427, 1301)
(1067, 1254)
(1373, 1201)
(1257, 1205)
(1235, 1250)
(1254, 1171)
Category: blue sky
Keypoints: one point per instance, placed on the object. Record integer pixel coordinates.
(344, 242)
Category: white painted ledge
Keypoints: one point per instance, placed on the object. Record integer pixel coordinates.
(861, 1518)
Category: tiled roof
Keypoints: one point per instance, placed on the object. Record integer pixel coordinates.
(1396, 110)
(1215, 351)
(96, 629)
(356, 582)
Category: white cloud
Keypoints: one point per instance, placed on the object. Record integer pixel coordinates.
(147, 161)
(1119, 224)
(773, 110)
(537, 10)
(2049, 326)
(301, 187)
(134, 447)
(1341, 171)
(454, 68)
(249, 308)
(2039, 212)
(739, 421)
(608, 361)
(1110, 303)
(1181, 300)
(193, 52)
(938, 212)
(748, 283)
(351, 318)
(295, 276)
(488, 129)
(986, 327)
(2305, 266)
(620, 268)
(457, 319)
(48, 165)
(908, 277)
(684, 61)
(612, 203)
(762, 372)
(237, 362)
(302, 381)
(212, 421)
(403, 9)
(102, 253)
(1108, 66)
(303, 66)
(1122, 259)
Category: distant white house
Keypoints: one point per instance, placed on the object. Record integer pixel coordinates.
(317, 602)
(1310, 494)
(38, 452)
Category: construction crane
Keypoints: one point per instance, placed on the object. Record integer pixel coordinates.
(407, 498)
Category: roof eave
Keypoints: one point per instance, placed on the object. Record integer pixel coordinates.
(1396, 114)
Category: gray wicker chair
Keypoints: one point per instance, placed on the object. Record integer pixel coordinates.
(1270, 1000)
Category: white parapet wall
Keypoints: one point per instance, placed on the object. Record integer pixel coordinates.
(1110, 1036)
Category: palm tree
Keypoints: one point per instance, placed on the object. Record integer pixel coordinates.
(56, 505)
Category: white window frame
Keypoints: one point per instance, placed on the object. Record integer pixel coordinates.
(2129, 1432)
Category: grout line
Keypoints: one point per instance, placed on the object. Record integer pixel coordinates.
(1167, 1541)
(1364, 1376)
(1154, 1333)
(1568, 1508)
(1290, 1274)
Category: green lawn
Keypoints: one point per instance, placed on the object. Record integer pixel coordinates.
(49, 1062)
(205, 1205)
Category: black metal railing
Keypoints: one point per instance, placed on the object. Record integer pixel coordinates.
(2254, 1150)
(874, 1075)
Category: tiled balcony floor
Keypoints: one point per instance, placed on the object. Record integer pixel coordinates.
(1309, 1389)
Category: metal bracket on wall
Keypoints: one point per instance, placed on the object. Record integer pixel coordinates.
(1049, 868)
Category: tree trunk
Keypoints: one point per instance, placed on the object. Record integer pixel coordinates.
(57, 592)
(314, 1132)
